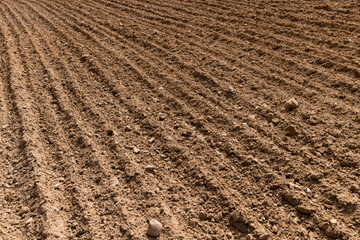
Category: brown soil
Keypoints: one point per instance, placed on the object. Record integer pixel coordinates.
(181, 103)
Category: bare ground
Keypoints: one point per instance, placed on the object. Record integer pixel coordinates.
(182, 104)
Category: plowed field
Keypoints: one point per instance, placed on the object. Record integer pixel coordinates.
(115, 112)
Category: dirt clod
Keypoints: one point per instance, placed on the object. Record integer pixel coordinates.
(291, 130)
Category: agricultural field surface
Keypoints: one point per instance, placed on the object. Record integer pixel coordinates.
(220, 119)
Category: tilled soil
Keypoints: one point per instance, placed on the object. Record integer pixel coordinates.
(117, 112)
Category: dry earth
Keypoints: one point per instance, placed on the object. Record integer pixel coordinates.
(114, 112)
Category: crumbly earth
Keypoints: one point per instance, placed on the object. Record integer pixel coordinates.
(115, 112)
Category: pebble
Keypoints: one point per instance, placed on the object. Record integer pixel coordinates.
(275, 120)
(154, 228)
(136, 150)
(116, 182)
(305, 209)
(127, 128)
(30, 220)
(291, 104)
(24, 210)
(333, 221)
(295, 186)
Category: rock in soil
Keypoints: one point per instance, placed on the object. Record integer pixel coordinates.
(291, 104)
(136, 150)
(154, 228)
(307, 210)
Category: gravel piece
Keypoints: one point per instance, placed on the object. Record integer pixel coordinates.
(291, 104)
(115, 182)
(154, 228)
(136, 150)
(24, 210)
(305, 209)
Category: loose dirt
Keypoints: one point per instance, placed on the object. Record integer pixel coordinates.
(113, 113)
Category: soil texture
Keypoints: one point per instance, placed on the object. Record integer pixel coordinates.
(219, 119)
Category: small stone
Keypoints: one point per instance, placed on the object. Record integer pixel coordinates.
(324, 225)
(115, 182)
(275, 121)
(151, 140)
(333, 221)
(305, 209)
(295, 186)
(322, 150)
(30, 220)
(57, 186)
(5, 126)
(291, 104)
(154, 228)
(24, 210)
(136, 150)
(128, 128)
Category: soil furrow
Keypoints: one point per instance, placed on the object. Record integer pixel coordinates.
(315, 70)
(11, 198)
(33, 157)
